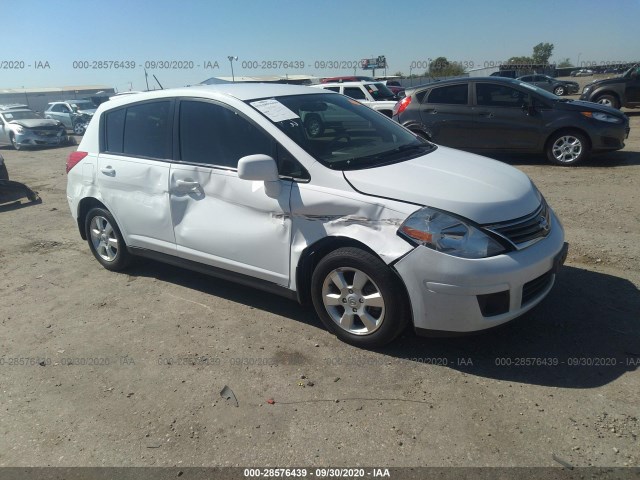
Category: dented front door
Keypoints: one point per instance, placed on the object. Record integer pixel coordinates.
(229, 223)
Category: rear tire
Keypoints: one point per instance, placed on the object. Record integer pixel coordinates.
(105, 240)
(559, 90)
(358, 298)
(567, 148)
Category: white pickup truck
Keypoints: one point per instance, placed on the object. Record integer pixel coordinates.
(375, 95)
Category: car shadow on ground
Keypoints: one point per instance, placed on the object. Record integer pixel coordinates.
(226, 289)
(618, 158)
(585, 334)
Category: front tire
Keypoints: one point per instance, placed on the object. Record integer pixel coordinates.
(79, 128)
(14, 143)
(567, 148)
(358, 298)
(608, 100)
(105, 240)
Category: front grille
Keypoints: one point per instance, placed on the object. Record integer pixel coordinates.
(531, 290)
(526, 230)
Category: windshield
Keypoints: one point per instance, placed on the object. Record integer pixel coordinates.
(20, 115)
(341, 133)
(84, 105)
(379, 91)
(628, 73)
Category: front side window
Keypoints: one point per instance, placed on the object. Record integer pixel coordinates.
(497, 95)
(450, 95)
(215, 135)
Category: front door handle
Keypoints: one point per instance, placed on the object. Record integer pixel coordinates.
(486, 114)
(109, 171)
(187, 186)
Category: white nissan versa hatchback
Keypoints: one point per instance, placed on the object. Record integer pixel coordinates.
(375, 226)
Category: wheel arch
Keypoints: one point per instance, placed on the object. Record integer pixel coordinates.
(567, 130)
(84, 206)
(607, 91)
(313, 253)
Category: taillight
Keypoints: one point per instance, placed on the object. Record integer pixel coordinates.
(401, 106)
(74, 158)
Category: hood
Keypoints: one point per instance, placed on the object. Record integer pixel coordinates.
(475, 187)
(581, 106)
(605, 81)
(36, 123)
(88, 111)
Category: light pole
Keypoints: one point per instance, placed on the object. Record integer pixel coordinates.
(578, 62)
(231, 59)
(410, 75)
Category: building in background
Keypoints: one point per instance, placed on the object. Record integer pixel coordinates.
(38, 98)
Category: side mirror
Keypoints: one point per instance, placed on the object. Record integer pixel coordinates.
(258, 168)
(261, 168)
(528, 108)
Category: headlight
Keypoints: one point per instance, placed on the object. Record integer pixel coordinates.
(18, 129)
(448, 234)
(586, 89)
(603, 117)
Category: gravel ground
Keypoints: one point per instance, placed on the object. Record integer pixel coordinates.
(152, 348)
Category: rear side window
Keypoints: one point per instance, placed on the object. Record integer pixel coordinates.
(146, 130)
(215, 135)
(451, 95)
(114, 133)
(142, 130)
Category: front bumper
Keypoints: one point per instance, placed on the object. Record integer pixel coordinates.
(452, 294)
(42, 139)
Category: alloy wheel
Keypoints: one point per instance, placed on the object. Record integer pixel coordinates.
(567, 149)
(103, 238)
(353, 301)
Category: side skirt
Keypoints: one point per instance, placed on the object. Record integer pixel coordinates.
(221, 273)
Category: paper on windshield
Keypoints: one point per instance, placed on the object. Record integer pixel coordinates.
(274, 110)
(8, 116)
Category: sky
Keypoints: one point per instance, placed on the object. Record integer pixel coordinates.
(70, 42)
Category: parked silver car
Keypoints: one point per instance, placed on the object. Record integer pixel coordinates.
(21, 127)
(74, 114)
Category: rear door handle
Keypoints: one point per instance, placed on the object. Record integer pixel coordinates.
(431, 111)
(486, 114)
(187, 186)
(109, 171)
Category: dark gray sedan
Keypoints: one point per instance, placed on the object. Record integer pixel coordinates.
(501, 114)
(550, 84)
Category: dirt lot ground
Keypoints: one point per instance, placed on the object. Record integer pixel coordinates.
(151, 349)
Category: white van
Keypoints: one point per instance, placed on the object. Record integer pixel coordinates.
(376, 227)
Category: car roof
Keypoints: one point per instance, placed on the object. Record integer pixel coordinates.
(452, 81)
(240, 91)
(14, 106)
(13, 110)
(347, 84)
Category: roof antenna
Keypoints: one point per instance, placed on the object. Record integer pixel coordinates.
(161, 87)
